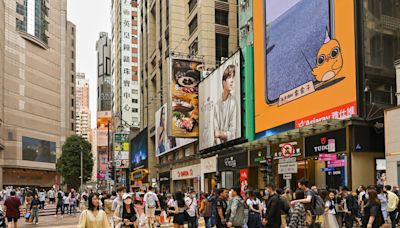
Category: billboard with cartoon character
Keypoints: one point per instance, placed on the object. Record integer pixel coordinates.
(184, 80)
(307, 72)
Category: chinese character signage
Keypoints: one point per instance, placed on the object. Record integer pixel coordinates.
(121, 150)
(307, 72)
(126, 61)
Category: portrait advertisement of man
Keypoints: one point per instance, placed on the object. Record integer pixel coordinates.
(220, 104)
(225, 111)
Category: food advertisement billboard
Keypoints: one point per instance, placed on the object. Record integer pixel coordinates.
(165, 143)
(220, 105)
(307, 70)
(184, 80)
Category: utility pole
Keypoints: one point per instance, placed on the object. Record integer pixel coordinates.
(81, 168)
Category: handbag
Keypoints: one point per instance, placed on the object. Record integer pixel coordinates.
(27, 215)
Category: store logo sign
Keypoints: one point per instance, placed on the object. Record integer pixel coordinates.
(185, 173)
(324, 147)
(230, 162)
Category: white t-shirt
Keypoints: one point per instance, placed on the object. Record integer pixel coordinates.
(42, 196)
(171, 203)
(328, 203)
(251, 202)
(192, 205)
(150, 196)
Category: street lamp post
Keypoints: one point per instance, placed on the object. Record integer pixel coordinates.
(81, 168)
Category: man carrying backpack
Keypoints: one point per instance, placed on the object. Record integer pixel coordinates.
(150, 202)
(310, 203)
(235, 214)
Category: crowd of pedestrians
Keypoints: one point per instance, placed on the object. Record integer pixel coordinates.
(307, 206)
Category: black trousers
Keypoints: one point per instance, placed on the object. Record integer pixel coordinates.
(393, 219)
(61, 209)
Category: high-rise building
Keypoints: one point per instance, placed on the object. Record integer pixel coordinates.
(205, 31)
(125, 81)
(69, 83)
(2, 37)
(35, 89)
(104, 94)
(82, 106)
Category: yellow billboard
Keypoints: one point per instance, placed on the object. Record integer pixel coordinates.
(304, 63)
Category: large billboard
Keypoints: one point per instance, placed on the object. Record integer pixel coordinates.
(184, 80)
(139, 153)
(38, 150)
(165, 143)
(307, 71)
(220, 105)
(103, 119)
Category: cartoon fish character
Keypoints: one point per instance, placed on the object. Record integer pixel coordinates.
(329, 60)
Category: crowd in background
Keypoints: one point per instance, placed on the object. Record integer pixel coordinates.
(307, 206)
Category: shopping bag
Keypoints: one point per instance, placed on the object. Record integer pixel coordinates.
(162, 217)
(27, 215)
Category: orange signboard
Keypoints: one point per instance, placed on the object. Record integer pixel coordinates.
(304, 62)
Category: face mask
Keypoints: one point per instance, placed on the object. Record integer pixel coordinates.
(230, 194)
(266, 193)
(128, 201)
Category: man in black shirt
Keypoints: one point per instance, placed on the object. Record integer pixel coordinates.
(221, 208)
(273, 219)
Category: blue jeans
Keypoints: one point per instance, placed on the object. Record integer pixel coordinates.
(207, 222)
(72, 208)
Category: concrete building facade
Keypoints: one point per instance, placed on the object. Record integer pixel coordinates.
(82, 106)
(203, 30)
(35, 89)
(104, 94)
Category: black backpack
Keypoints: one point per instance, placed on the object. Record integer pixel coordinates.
(284, 205)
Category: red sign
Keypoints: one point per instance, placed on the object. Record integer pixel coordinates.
(185, 173)
(287, 150)
(339, 113)
(244, 174)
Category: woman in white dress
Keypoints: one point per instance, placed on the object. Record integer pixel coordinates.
(329, 220)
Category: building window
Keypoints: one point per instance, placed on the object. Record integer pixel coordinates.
(72, 54)
(72, 127)
(72, 90)
(72, 103)
(193, 25)
(134, 91)
(134, 45)
(135, 110)
(72, 114)
(135, 55)
(72, 66)
(34, 21)
(135, 101)
(221, 17)
(135, 64)
(194, 47)
(221, 46)
(192, 5)
(72, 78)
